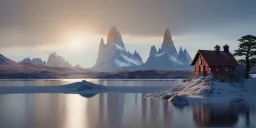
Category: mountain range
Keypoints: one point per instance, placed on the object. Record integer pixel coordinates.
(10, 69)
(54, 60)
(113, 56)
(33, 61)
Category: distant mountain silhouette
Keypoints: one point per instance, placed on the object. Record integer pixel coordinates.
(6, 61)
(33, 61)
(55, 60)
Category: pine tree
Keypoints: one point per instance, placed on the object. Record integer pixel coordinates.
(247, 52)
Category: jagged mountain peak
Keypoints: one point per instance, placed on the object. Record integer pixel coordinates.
(102, 41)
(168, 45)
(33, 60)
(115, 37)
(135, 52)
(57, 61)
(167, 35)
(181, 50)
(153, 50)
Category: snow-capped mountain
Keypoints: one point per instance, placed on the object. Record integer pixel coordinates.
(168, 45)
(55, 60)
(6, 61)
(33, 61)
(113, 55)
(184, 57)
(167, 57)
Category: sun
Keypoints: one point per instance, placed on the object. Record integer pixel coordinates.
(77, 40)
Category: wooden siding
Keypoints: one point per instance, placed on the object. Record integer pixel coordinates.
(201, 67)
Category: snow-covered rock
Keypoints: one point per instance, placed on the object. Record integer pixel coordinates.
(85, 85)
(184, 57)
(113, 56)
(179, 100)
(167, 57)
(55, 60)
(206, 89)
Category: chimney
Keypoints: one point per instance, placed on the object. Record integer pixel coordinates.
(226, 48)
(217, 48)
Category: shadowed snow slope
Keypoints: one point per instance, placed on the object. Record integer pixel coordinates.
(208, 90)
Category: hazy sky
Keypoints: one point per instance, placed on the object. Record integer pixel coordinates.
(73, 28)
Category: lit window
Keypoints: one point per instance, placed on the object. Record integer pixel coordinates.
(226, 69)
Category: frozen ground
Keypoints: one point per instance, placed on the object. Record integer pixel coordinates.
(208, 90)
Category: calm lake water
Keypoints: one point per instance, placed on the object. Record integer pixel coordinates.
(113, 110)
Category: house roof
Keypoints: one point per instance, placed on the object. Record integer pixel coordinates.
(214, 58)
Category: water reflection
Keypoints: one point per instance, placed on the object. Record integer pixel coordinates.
(88, 95)
(115, 110)
(221, 115)
(121, 82)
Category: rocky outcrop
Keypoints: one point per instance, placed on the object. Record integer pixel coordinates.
(184, 57)
(114, 37)
(168, 45)
(55, 60)
(33, 61)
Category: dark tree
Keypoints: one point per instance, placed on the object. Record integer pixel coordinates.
(247, 52)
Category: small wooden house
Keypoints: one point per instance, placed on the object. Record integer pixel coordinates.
(219, 63)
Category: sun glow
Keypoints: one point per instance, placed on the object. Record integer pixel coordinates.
(77, 41)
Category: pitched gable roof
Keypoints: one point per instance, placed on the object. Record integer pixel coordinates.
(214, 58)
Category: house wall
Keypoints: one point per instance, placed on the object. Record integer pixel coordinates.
(201, 66)
(222, 71)
(218, 71)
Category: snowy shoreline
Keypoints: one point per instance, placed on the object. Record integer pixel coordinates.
(206, 90)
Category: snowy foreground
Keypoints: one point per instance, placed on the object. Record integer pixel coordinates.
(208, 90)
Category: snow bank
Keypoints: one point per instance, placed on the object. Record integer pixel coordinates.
(206, 89)
(74, 88)
(85, 85)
